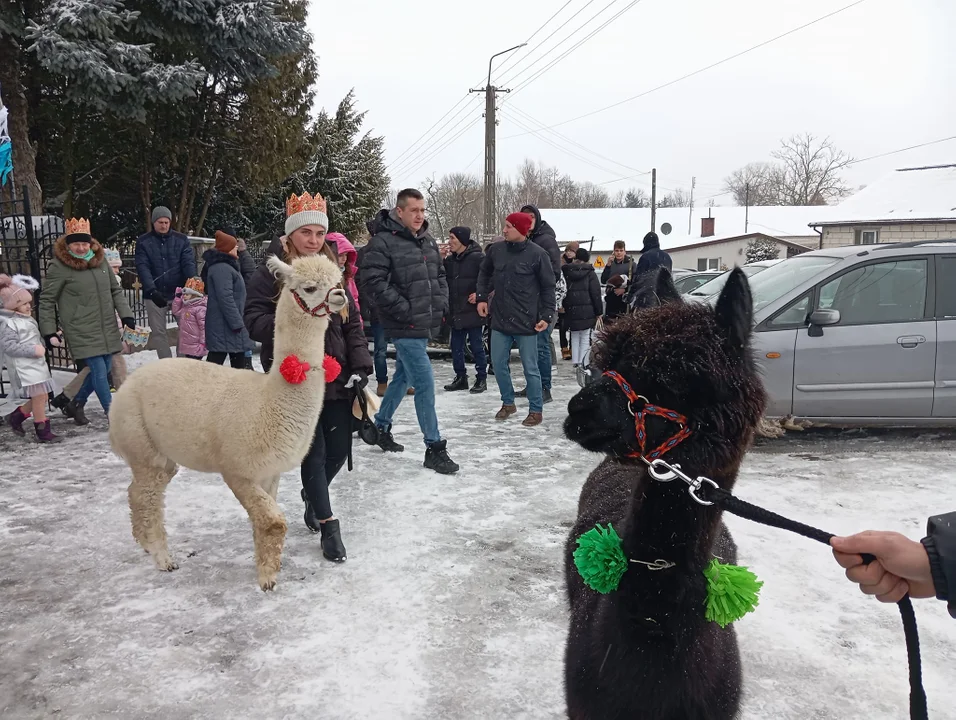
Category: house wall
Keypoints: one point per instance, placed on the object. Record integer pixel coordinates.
(891, 233)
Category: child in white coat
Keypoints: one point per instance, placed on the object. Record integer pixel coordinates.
(25, 355)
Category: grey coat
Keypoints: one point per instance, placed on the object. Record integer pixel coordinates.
(226, 290)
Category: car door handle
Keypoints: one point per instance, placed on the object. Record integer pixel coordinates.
(910, 341)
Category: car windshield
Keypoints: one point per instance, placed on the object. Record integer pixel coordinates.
(783, 277)
(712, 287)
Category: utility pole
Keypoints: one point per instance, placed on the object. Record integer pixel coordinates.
(653, 199)
(746, 206)
(690, 215)
(491, 96)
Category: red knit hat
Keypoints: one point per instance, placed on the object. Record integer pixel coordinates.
(521, 222)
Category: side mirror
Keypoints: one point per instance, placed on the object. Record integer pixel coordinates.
(822, 318)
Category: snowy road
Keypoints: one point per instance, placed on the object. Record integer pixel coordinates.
(451, 604)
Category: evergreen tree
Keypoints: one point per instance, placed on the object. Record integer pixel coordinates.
(762, 249)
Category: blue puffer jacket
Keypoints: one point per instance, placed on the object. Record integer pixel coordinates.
(225, 330)
(164, 262)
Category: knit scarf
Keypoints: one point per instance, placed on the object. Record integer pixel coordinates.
(88, 256)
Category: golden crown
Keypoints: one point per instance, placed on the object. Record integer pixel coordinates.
(301, 203)
(78, 226)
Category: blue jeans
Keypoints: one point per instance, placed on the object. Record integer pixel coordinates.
(412, 365)
(528, 350)
(379, 345)
(97, 380)
(473, 335)
(545, 348)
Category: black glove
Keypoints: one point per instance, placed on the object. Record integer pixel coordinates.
(48, 338)
(157, 297)
(360, 384)
(129, 322)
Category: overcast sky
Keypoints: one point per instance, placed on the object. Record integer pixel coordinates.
(877, 77)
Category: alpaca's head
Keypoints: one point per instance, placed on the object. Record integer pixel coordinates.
(693, 359)
(315, 281)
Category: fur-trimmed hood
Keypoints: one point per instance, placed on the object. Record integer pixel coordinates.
(62, 253)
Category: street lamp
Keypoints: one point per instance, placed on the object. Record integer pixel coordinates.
(503, 52)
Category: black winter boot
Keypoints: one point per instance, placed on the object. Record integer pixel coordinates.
(332, 547)
(387, 442)
(546, 395)
(72, 410)
(60, 401)
(436, 458)
(522, 393)
(459, 383)
(481, 384)
(310, 521)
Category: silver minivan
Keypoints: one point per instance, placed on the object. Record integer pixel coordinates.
(860, 335)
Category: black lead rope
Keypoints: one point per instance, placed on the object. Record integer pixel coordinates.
(726, 501)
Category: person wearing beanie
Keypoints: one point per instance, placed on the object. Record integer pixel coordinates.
(519, 274)
(461, 268)
(225, 329)
(404, 277)
(24, 354)
(345, 341)
(617, 275)
(189, 307)
(567, 257)
(582, 304)
(543, 236)
(164, 260)
(652, 257)
(247, 263)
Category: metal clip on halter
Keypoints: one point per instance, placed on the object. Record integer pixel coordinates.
(663, 471)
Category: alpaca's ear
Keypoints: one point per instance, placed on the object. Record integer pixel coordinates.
(735, 309)
(281, 270)
(664, 287)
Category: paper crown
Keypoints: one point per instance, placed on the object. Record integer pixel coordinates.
(303, 203)
(196, 283)
(78, 226)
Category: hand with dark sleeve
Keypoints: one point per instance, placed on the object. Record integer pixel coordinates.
(187, 260)
(548, 300)
(356, 344)
(594, 290)
(903, 566)
(143, 269)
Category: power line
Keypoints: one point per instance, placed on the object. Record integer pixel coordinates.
(570, 50)
(911, 147)
(438, 151)
(708, 67)
(405, 152)
(518, 58)
(519, 72)
(424, 148)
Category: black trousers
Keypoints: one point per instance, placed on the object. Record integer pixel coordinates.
(331, 445)
(563, 330)
(236, 360)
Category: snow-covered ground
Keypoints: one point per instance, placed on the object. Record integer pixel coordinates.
(451, 604)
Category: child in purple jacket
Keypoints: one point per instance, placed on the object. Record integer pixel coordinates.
(189, 307)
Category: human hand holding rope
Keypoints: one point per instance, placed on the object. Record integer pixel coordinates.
(901, 566)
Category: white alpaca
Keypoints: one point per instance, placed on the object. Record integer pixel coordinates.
(248, 426)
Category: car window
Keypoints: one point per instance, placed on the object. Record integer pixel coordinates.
(795, 314)
(946, 288)
(777, 281)
(880, 293)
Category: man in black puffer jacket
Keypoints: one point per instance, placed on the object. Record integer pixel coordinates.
(461, 268)
(652, 257)
(403, 274)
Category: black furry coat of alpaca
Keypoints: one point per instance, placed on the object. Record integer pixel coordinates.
(645, 650)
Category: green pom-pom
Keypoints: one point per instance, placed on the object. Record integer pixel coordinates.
(600, 559)
(731, 592)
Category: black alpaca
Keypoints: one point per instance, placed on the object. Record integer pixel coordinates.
(645, 650)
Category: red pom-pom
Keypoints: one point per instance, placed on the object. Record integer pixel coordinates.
(293, 369)
(332, 368)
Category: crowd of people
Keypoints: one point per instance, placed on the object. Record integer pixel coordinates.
(408, 286)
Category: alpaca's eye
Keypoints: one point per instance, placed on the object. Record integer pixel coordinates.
(310, 289)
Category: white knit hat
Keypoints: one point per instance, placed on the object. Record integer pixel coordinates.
(302, 210)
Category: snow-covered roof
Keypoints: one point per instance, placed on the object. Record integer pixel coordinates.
(905, 195)
(606, 225)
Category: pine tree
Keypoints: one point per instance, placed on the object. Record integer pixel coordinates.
(762, 249)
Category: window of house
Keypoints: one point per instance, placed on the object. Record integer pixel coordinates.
(880, 293)
(945, 288)
(867, 237)
(794, 315)
(704, 264)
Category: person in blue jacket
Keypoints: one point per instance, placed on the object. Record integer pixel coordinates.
(164, 261)
(226, 333)
(921, 569)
